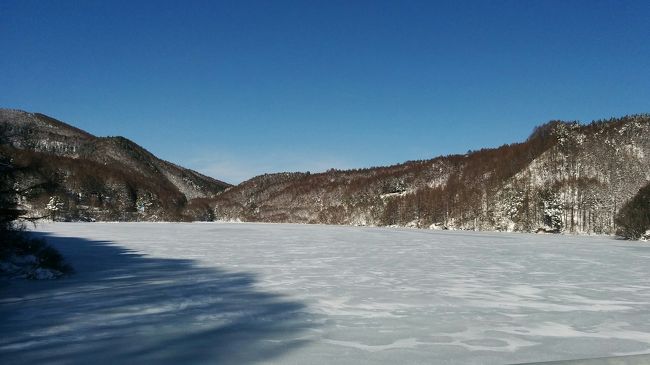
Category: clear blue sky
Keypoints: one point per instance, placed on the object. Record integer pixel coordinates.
(238, 88)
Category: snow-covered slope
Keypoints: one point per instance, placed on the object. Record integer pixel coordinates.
(298, 294)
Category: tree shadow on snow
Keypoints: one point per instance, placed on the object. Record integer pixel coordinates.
(122, 307)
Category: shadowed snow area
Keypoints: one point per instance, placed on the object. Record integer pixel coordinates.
(296, 294)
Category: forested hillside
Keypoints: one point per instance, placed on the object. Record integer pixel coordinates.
(564, 177)
(68, 174)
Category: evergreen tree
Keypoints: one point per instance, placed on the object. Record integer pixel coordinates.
(633, 219)
(551, 209)
(8, 210)
(13, 240)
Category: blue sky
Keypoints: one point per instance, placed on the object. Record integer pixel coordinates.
(238, 88)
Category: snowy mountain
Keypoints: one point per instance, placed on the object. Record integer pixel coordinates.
(73, 175)
(564, 177)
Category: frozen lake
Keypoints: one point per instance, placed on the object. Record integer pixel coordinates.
(297, 294)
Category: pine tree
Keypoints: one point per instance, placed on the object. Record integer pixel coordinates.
(13, 240)
(634, 217)
(551, 209)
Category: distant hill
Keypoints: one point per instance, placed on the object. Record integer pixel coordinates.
(565, 177)
(70, 174)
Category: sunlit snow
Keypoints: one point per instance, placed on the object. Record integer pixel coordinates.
(299, 294)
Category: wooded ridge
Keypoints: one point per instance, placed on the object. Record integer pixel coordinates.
(566, 177)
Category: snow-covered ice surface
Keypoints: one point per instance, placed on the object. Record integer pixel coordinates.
(300, 294)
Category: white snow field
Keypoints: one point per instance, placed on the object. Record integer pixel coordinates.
(216, 293)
